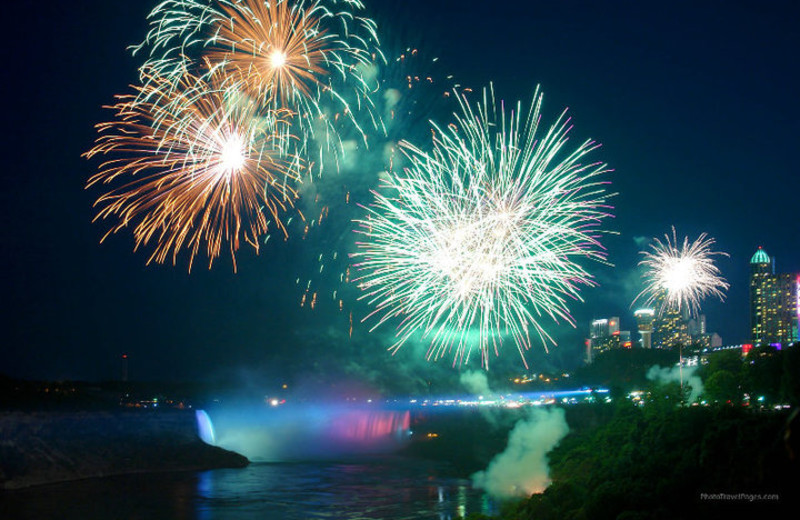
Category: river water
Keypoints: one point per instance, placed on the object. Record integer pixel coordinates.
(385, 487)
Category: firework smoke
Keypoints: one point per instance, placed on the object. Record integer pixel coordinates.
(522, 468)
(674, 375)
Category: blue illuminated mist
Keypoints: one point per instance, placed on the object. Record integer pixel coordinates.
(304, 431)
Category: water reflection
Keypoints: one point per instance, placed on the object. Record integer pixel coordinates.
(374, 489)
(462, 501)
(377, 488)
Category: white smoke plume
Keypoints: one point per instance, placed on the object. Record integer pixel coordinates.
(673, 375)
(475, 382)
(522, 469)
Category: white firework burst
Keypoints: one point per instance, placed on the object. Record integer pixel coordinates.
(479, 239)
(681, 275)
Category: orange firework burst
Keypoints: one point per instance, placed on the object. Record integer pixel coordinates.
(280, 50)
(291, 53)
(200, 164)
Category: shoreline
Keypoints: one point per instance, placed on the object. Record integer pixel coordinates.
(42, 448)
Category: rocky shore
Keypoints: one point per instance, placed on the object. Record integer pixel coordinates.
(46, 447)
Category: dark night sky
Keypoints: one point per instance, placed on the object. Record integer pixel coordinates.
(695, 103)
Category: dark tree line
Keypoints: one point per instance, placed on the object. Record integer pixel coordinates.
(623, 461)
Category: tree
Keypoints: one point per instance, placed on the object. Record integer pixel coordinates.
(729, 360)
(790, 381)
(722, 386)
(762, 373)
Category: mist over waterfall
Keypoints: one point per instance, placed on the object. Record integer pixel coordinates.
(303, 432)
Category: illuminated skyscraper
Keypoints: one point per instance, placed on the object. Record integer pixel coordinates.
(761, 268)
(671, 327)
(774, 302)
(604, 328)
(698, 332)
(603, 334)
(644, 322)
(697, 326)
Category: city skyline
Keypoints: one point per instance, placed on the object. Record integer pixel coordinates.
(780, 308)
(698, 129)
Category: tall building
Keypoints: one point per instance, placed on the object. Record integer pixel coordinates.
(697, 326)
(774, 302)
(603, 335)
(604, 328)
(644, 322)
(701, 338)
(761, 268)
(671, 329)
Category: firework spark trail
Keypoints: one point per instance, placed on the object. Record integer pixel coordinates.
(483, 233)
(199, 163)
(295, 54)
(410, 87)
(681, 275)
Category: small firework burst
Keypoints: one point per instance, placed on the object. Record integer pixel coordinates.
(681, 275)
